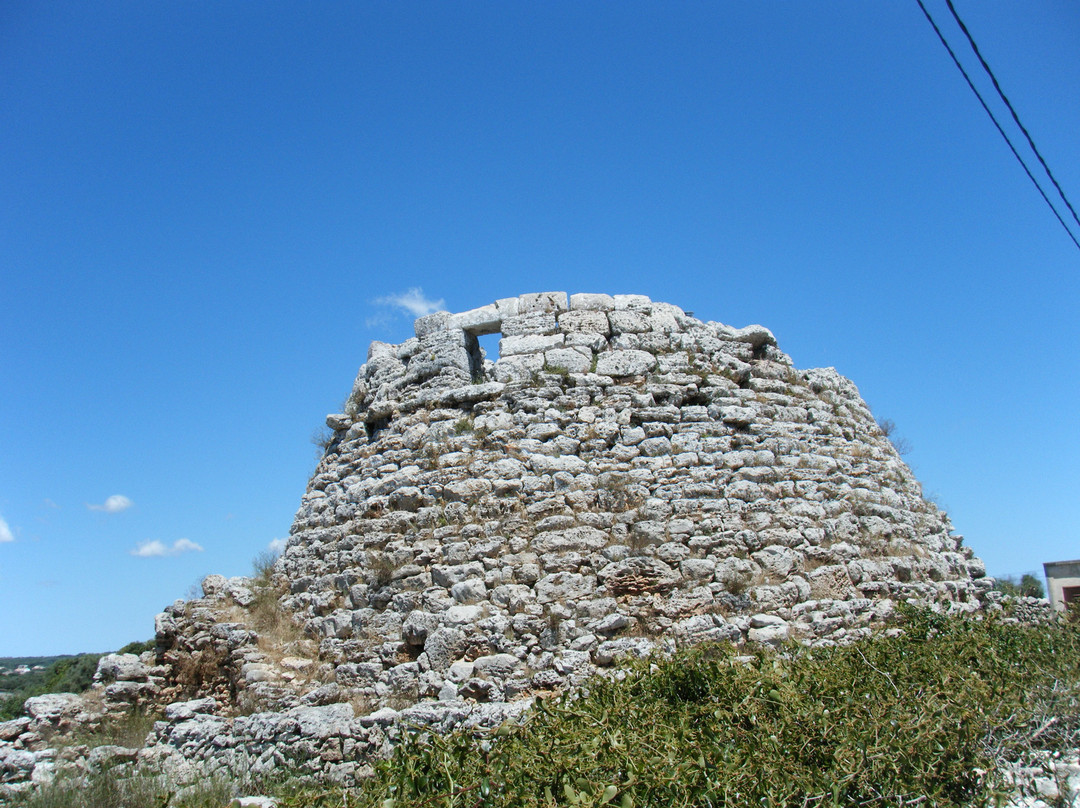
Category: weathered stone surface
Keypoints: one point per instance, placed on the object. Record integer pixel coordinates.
(625, 363)
(637, 575)
(52, 706)
(624, 479)
(120, 668)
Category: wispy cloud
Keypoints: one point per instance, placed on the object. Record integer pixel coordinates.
(158, 549)
(413, 301)
(277, 545)
(114, 504)
(5, 532)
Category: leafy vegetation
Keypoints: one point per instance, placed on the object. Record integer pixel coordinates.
(880, 723)
(72, 674)
(1028, 586)
(924, 716)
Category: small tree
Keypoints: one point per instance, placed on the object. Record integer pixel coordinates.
(1031, 586)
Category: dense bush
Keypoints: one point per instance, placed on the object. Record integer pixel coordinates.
(922, 716)
(883, 722)
(72, 674)
(1029, 586)
(67, 674)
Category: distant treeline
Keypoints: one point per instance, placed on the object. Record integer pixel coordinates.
(61, 674)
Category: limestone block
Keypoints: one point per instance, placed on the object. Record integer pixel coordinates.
(625, 363)
(447, 576)
(378, 350)
(460, 671)
(18, 763)
(120, 667)
(575, 361)
(768, 629)
(628, 322)
(52, 706)
(128, 692)
(584, 301)
(186, 710)
(593, 343)
(537, 322)
(517, 368)
(632, 302)
(736, 573)
(214, 585)
(529, 344)
(564, 586)
(663, 318)
(338, 421)
(778, 560)
(607, 653)
(497, 666)
(584, 322)
(507, 307)
(543, 302)
(444, 646)
(417, 626)
(484, 320)
(698, 569)
(471, 591)
(432, 323)
(544, 464)
(637, 575)
(655, 447)
(463, 614)
(466, 490)
(737, 416)
(582, 538)
(755, 335)
(10, 730)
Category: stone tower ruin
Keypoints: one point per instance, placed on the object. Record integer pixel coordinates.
(623, 477)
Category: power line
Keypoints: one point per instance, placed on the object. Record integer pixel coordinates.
(1000, 92)
(1001, 131)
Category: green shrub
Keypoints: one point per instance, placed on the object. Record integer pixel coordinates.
(72, 674)
(878, 723)
(1029, 586)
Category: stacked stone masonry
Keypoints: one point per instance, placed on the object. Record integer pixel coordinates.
(623, 478)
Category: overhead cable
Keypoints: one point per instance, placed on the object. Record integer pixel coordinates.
(1000, 92)
(1001, 131)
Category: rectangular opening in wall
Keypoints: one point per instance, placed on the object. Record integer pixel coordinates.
(1071, 595)
(490, 344)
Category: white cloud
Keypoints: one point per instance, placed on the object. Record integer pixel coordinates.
(5, 532)
(277, 545)
(158, 549)
(114, 504)
(413, 301)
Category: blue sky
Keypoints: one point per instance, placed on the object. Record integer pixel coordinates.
(207, 210)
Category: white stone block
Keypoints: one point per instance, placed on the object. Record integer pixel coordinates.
(574, 360)
(625, 363)
(439, 321)
(627, 302)
(484, 320)
(587, 322)
(585, 301)
(529, 343)
(543, 301)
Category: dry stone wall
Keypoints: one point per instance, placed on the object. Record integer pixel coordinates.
(622, 476)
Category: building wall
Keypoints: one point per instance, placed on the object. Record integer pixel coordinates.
(1062, 582)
